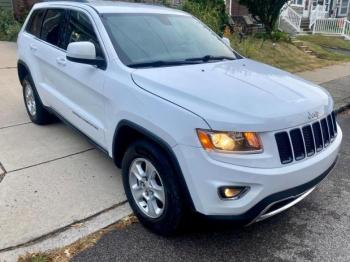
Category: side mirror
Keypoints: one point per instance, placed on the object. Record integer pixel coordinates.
(84, 53)
(226, 41)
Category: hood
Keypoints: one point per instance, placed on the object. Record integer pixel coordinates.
(239, 95)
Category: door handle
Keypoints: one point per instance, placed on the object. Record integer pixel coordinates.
(61, 61)
(33, 47)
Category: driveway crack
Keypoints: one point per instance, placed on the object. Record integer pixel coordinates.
(8, 67)
(52, 160)
(21, 124)
(2, 172)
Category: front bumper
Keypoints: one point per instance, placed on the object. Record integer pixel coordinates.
(265, 208)
(267, 186)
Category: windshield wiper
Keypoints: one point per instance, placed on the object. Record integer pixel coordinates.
(160, 63)
(208, 58)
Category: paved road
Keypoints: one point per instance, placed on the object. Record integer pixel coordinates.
(340, 90)
(317, 229)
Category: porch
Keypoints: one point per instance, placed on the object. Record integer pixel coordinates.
(316, 16)
(325, 8)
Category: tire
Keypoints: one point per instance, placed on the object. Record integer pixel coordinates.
(35, 108)
(170, 215)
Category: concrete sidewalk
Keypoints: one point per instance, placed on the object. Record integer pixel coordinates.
(52, 181)
(54, 186)
(336, 79)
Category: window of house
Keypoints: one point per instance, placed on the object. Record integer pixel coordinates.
(297, 2)
(34, 25)
(344, 7)
(81, 29)
(53, 26)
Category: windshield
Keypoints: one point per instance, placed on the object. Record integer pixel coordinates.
(155, 40)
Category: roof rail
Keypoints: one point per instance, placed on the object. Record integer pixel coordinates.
(79, 1)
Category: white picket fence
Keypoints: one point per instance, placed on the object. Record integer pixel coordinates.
(332, 26)
(319, 22)
(346, 32)
(318, 12)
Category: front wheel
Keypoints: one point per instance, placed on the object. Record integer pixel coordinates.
(152, 188)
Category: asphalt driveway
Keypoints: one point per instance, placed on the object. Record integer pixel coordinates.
(316, 229)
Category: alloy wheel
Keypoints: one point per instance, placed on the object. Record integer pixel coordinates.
(147, 187)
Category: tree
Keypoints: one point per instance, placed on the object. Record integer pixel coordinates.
(265, 11)
(211, 12)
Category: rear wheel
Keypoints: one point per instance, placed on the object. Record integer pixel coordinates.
(35, 109)
(152, 188)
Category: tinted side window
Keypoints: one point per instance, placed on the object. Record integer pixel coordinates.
(34, 25)
(52, 26)
(81, 29)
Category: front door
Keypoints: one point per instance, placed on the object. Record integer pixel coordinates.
(306, 11)
(81, 84)
(313, 5)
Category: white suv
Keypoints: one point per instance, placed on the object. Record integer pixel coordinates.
(193, 125)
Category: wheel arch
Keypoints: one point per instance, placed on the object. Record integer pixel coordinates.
(22, 70)
(126, 132)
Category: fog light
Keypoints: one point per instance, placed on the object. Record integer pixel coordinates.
(229, 192)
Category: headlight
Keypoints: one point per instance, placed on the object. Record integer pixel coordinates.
(230, 142)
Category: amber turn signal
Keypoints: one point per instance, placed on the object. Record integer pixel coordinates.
(204, 139)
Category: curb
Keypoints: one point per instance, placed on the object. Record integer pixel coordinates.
(69, 234)
(342, 108)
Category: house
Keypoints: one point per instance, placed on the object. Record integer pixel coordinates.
(21, 7)
(329, 17)
(242, 18)
(6, 4)
(330, 8)
(235, 9)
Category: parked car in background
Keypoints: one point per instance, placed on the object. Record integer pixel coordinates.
(193, 125)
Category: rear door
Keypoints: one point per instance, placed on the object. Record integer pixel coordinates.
(46, 51)
(28, 44)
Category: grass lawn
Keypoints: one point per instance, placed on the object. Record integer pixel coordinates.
(319, 45)
(327, 41)
(286, 55)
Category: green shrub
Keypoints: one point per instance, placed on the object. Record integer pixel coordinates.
(278, 36)
(9, 27)
(210, 12)
(275, 36)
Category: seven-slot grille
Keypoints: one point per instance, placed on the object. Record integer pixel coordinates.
(303, 142)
